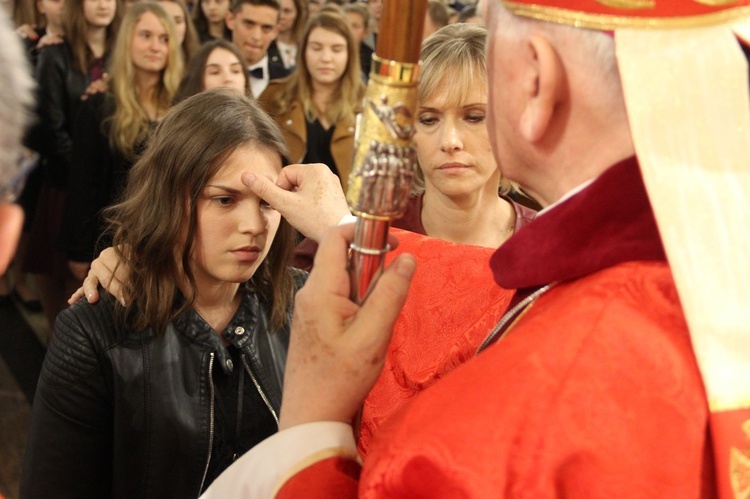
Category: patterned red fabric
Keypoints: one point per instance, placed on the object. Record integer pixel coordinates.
(433, 336)
(595, 391)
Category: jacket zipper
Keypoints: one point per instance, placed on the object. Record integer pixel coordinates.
(211, 421)
(260, 390)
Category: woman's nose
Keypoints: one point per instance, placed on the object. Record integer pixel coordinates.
(450, 137)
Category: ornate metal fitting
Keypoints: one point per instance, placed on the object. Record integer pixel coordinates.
(385, 159)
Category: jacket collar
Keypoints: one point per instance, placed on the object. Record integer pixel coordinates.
(608, 223)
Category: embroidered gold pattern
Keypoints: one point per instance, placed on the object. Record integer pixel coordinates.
(612, 22)
(739, 467)
(716, 3)
(629, 4)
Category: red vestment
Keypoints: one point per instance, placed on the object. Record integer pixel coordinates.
(593, 392)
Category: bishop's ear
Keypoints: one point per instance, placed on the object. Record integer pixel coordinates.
(544, 87)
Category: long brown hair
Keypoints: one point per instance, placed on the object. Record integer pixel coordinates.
(154, 226)
(75, 27)
(192, 82)
(300, 21)
(191, 43)
(347, 97)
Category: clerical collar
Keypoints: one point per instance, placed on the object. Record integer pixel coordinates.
(575, 190)
(606, 224)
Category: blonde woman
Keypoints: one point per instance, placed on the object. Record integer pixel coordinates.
(315, 106)
(460, 195)
(113, 128)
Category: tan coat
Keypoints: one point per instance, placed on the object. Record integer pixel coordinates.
(294, 128)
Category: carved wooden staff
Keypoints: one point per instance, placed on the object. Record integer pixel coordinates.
(384, 158)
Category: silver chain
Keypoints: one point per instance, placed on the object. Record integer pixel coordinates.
(511, 314)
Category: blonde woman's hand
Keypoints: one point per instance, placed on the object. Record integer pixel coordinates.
(106, 271)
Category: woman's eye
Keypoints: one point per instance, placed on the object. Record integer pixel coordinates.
(476, 118)
(427, 120)
(223, 200)
(265, 205)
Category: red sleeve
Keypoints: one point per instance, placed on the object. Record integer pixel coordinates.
(333, 477)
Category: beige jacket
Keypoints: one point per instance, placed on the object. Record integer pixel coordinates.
(293, 126)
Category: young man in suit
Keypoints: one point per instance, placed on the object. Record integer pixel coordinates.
(254, 25)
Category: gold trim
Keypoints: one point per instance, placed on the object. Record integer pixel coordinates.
(368, 216)
(394, 72)
(610, 22)
(717, 405)
(629, 4)
(716, 3)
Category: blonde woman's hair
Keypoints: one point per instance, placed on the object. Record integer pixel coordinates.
(456, 51)
(130, 124)
(345, 101)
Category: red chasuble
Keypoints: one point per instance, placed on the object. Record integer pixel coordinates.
(593, 392)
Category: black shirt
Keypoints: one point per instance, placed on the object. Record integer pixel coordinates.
(241, 418)
(319, 145)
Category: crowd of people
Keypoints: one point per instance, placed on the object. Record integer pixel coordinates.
(103, 86)
(192, 161)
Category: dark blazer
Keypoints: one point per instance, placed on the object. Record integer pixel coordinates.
(276, 69)
(274, 54)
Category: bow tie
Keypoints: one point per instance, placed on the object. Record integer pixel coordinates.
(257, 73)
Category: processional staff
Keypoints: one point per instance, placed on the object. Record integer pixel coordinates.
(384, 159)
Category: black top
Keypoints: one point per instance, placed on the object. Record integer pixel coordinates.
(319, 145)
(98, 175)
(365, 58)
(242, 419)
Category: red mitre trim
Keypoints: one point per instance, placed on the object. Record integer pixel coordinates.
(612, 14)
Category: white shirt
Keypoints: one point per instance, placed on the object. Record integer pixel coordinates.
(257, 85)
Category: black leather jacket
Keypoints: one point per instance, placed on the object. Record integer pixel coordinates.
(131, 416)
(59, 96)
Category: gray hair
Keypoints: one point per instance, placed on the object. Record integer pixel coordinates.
(16, 98)
(590, 49)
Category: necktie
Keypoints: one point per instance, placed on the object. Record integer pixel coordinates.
(257, 73)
